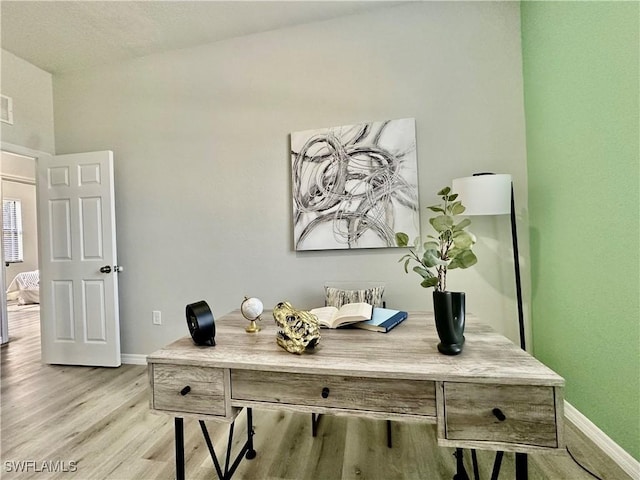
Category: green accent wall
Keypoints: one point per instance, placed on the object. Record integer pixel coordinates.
(581, 86)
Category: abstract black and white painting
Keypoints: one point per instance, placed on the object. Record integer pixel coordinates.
(355, 186)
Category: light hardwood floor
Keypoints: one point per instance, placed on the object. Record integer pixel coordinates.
(96, 421)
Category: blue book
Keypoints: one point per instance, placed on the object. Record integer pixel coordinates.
(382, 320)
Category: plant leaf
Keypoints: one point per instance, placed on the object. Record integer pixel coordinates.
(444, 191)
(429, 282)
(462, 240)
(431, 245)
(457, 208)
(402, 239)
(423, 272)
(406, 265)
(436, 208)
(441, 222)
(463, 224)
(431, 258)
(452, 197)
(465, 259)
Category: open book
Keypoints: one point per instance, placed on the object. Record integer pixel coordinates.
(382, 320)
(332, 317)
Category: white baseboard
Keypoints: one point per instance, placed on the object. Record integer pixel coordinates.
(133, 359)
(610, 448)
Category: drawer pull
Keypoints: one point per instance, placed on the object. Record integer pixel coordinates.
(499, 415)
(325, 392)
(185, 390)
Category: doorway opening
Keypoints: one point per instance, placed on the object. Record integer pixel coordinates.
(19, 280)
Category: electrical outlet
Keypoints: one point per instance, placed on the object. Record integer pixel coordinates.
(157, 317)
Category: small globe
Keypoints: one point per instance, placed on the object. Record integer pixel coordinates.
(251, 308)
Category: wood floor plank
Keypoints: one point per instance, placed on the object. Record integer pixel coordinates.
(327, 449)
(99, 418)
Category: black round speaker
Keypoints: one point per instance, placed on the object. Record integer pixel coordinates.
(201, 325)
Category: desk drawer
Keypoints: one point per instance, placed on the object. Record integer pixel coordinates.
(519, 414)
(352, 393)
(205, 393)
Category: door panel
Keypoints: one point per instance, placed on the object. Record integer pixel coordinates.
(80, 324)
(62, 310)
(94, 308)
(60, 237)
(91, 222)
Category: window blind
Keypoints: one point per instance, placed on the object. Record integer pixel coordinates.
(12, 230)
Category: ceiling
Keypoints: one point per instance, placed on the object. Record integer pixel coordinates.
(59, 36)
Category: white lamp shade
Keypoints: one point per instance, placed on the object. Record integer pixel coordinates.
(484, 194)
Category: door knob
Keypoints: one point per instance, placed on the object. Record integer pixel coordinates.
(107, 269)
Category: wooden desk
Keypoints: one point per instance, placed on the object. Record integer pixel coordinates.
(492, 396)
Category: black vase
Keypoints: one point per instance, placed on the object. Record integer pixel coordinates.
(448, 308)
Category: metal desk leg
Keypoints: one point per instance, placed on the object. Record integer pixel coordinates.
(461, 472)
(474, 462)
(315, 419)
(179, 440)
(496, 466)
(251, 453)
(522, 470)
(246, 451)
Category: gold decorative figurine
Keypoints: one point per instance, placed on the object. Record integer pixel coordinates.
(251, 309)
(299, 329)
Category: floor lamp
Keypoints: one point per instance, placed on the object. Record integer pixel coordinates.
(492, 194)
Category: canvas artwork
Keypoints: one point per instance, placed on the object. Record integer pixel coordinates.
(355, 186)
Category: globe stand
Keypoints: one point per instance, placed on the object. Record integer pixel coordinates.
(253, 326)
(251, 309)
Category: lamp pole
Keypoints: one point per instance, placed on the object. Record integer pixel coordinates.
(516, 262)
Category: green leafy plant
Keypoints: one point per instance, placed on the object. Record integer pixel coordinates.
(450, 248)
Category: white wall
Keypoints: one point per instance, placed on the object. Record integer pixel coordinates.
(32, 93)
(201, 142)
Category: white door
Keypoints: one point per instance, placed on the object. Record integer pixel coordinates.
(78, 261)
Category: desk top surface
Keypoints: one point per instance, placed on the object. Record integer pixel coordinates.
(408, 351)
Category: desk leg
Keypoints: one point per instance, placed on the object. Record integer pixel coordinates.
(474, 462)
(461, 472)
(179, 440)
(522, 470)
(247, 450)
(496, 465)
(315, 419)
(251, 453)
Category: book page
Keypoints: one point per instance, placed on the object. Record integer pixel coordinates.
(332, 317)
(325, 315)
(354, 312)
